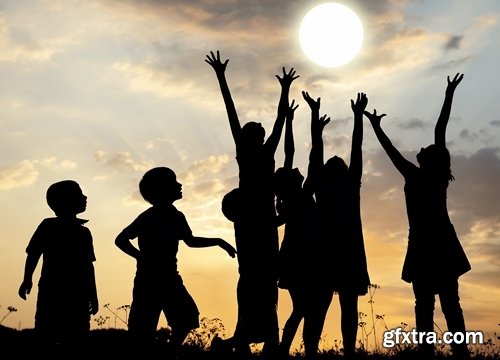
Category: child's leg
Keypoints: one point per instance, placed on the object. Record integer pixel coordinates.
(450, 304)
(316, 309)
(144, 311)
(240, 341)
(270, 319)
(349, 319)
(181, 312)
(297, 296)
(424, 312)
(271, 343)
(142, 325)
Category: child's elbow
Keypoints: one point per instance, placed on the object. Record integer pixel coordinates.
(121, 239)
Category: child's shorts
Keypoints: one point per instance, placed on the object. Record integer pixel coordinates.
(168, 295)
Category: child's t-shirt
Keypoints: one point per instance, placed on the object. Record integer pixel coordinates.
(158, 231)
(68, 252)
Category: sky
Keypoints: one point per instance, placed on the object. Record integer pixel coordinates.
(100, 91)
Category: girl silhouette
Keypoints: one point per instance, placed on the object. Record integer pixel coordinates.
(434, 259)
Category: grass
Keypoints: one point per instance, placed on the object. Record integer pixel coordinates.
(115, 344)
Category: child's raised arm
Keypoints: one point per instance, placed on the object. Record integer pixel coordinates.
(285, 81)
(220, 69)
(356, 162)
(397, 159)
(202, 242)
(444, 116)
(316, 156)
(289, 143)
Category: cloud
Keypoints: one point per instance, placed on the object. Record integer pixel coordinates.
(122, 161)
(487, 20)
(203, 169)
(452, 64)
(19, 175)
(484, 137)
(25, 173)
(475, 191)
(19, 45)
(467, 135)
(453, 42)
(153, 79)
(412, 124)
(495, 123)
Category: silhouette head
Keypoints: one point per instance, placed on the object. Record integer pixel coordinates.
(159, 186)
(435, 160)
(231, 203)
(287, 181)
(336, 168)
(253, 134)
(66, 198)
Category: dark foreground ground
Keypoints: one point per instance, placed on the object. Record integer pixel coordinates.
(115, 344)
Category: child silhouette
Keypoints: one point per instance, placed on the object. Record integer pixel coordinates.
(255, 232)
(297, 208)
(158, 285)
(341, 253)
(434, 259)
(67, 281)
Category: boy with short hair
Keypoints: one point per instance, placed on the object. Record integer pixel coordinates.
(67, 281)
(157, 285)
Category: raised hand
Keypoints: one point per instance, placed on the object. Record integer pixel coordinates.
(452, 84)
(359, 106)
(374, 118)
(291, 111)
(287, 78)
(313, 104)
(215, 62)
(322, 122)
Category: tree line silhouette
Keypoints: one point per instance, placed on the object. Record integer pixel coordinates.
(322, 252)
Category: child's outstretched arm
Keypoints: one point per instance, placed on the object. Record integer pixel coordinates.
(220, 70)
(285, 81)
(403, 165)
(289, 143)
(444, 116)
(201, 242)
(29, 269)
(356, 163)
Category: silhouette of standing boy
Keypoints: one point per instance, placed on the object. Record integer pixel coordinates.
(434, 259)
(256, 232)
(67, 282)
(157, 285)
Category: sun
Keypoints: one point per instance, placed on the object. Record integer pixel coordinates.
(331, 34)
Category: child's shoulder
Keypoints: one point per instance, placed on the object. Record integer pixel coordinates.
(155, 212)
(57, 222)
(48, 222)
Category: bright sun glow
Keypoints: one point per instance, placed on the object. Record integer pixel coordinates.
(331, 34)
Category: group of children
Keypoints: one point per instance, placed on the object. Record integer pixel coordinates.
(322, 251)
